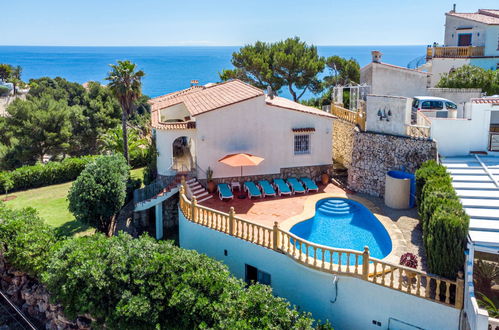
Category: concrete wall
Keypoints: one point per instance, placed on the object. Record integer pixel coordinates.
(262, 130)
(400, 109)
(473, 133)
(456, 95)
(387, 79)
(353, 304)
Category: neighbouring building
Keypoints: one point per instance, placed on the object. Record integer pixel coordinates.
(388, 79)
(470, 38)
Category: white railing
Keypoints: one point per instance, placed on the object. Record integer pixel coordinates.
(327, 259)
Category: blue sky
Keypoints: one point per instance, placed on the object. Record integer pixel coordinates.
(226, 22)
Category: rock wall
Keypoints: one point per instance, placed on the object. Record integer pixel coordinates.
(34, 300)
(374, 154)
(343, 138)
(313, 172)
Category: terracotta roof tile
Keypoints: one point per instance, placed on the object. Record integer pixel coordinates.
(200, 99)
(281, 102)
(303, 130)
(492, 100)
(485, 16)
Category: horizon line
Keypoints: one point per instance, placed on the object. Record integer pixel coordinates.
(205, 45)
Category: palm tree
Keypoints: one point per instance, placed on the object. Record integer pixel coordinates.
(125, 83)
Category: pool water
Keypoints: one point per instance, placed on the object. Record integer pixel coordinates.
(345, 224)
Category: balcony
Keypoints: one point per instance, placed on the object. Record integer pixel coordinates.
(454, 52)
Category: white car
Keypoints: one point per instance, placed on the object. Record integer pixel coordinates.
(431, 103)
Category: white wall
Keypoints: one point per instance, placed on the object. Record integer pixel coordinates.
(444, 65)
(254, 127)
(164, 145)
(390, 80)
(354, 305)
(452, 23)
(400, 108)
(492, 41)
(457, 137)
(177, 112)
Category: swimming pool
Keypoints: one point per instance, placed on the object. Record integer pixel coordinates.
(345, 224)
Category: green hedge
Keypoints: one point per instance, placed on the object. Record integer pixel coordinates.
(443, 220)
(39, 175)
(427, 170)
(25, 240)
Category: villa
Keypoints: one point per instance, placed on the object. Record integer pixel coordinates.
(348, 273)
(470, 38)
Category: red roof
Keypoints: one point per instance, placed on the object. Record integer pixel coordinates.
(200, 99)
(493, 100)
(485, 16)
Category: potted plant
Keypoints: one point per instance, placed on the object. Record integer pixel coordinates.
(209, 177)
(409, 260)
(325, 178)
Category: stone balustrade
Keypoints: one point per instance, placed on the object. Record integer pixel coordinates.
(327, 259)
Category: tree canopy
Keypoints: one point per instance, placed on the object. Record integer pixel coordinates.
(342, 71)
(39, 126)
(290, 63)
(469, 76)
(98, 194)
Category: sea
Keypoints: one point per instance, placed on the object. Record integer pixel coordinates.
(167, 69)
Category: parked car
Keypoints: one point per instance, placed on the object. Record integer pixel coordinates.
(432, 106)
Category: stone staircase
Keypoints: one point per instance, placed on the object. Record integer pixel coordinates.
(197, 190)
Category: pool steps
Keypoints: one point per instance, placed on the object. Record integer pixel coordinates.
(336, 207)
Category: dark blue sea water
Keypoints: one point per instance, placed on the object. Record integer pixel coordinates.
(167, 69)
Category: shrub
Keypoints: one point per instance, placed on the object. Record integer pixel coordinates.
(141, 283)
(444, 222)
(437, 191)
(445, 240)
(25, 240)
(4, 91)
(99, 192)
(39, 175)
(427, 170)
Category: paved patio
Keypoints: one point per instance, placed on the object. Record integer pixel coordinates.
(270, 209)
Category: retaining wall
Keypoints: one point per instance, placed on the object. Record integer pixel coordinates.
(350, 303)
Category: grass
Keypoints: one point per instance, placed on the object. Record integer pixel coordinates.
(52, 205)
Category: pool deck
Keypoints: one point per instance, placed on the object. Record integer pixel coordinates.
(402, 225)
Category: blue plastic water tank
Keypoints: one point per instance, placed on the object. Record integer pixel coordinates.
(406, 175)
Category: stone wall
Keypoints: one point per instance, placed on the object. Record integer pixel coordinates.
(33, 299)
(313, 172)
(375, 154)
(343, 137)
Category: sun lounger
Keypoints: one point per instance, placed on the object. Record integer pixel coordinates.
(224, 191)
(252, 189)
(296, 186)
(267, 188)
(281, 187)
(309, 184)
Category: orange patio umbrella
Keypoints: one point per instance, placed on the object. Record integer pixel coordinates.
(241, 159)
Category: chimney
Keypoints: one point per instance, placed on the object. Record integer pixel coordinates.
(453, 8)
(194, 82)
(376, 54)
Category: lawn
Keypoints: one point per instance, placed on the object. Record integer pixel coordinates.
(52, 205)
